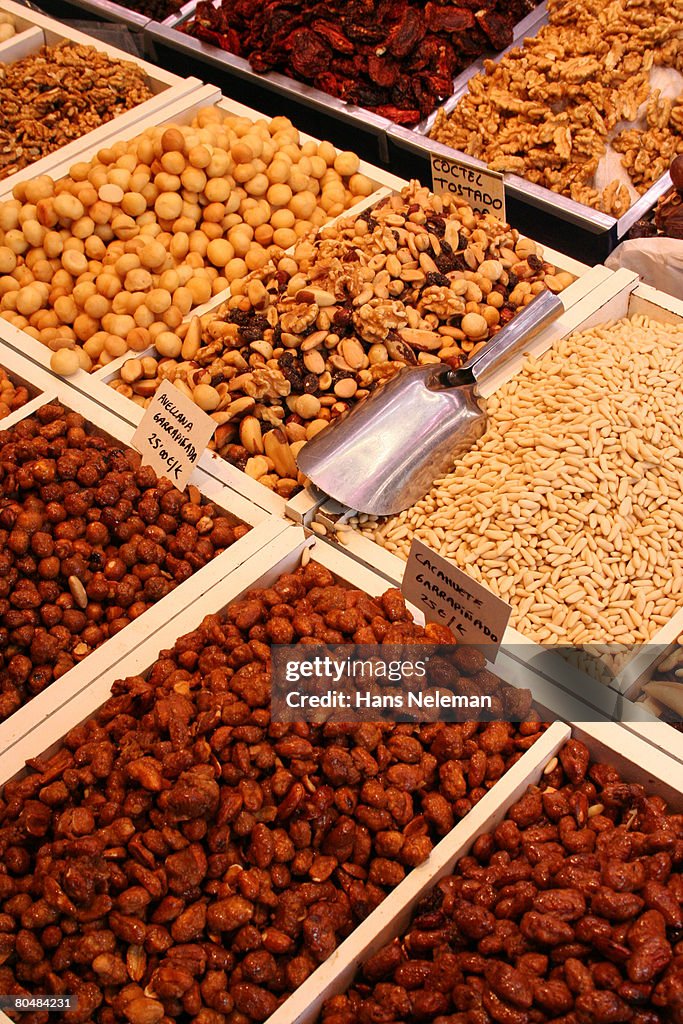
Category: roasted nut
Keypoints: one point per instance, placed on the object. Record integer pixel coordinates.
(547, 950)
(96, 566)
(181, 853)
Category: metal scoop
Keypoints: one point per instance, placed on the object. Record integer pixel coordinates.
(384, 455)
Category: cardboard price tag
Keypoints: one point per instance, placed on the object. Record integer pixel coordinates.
(484, 190)
(173, 434)
(447, 595)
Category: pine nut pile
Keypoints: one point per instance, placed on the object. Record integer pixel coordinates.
(570, 507)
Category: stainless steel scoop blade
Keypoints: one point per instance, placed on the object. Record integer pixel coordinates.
(384, 454)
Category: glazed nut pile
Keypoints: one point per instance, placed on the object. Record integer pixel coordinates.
(88, 541)
(418, 278)
(183, 857)
(569, 911)
(12, 395)
(59, 93)
(570, 506)
(113, 257)
(548, 109)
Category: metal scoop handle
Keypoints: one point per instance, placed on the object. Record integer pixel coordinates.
(511, 339)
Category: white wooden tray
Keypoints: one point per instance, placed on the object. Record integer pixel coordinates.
(618, 296)
(283, 554)
(264, 528)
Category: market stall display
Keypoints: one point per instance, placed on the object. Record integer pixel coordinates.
(569, 906)
(171, 849)
(115, 255)
(416, 278)
(277, 840)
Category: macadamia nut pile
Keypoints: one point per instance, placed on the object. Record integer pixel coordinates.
(113, 257)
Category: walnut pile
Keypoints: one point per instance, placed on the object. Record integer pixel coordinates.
(549, 108)
(59, 94)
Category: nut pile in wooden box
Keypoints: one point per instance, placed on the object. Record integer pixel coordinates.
(181, 854)
(416, 278)
(570, 910)
(90, 540)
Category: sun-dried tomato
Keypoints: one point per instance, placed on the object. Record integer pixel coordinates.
(406, 33)
(383, 70)
(335, 38)
(310, 53)
(497, 27)
(442, 18)
(396, 57)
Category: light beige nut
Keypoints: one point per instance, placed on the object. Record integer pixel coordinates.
(78, 592)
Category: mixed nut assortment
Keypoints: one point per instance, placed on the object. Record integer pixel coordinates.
(570, 506)
(417, 278)
(114, 256)
(548, 109)
(12, 394)
(571, 911)
(182, 855)
(89, 540)
(59, 93)
(396, 57)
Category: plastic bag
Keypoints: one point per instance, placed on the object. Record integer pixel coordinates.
(658, 261)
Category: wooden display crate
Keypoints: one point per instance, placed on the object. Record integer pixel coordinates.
(36, 30)
(263, 528)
